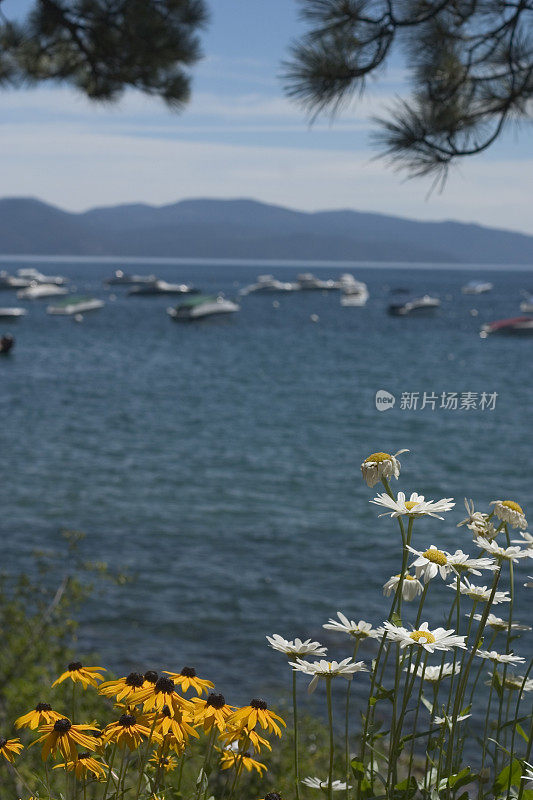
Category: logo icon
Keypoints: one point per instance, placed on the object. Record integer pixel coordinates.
(384, 400)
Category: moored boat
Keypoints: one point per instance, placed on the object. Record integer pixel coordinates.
(353, 293)
(162, 287)
(121, 278)
(38, 290)
(34, 276)
(515, 326)
(202, 306)
(477, 287)
(307, 282)
(417, 306)
(75, 305)
(12, 313)
(267, 284)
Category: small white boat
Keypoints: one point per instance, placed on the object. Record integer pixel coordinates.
(121, 278)
(202, 306)
(12, 313)
(417, 306)
(38, 290)
(353, 293)
(75, 305)
(267, 284)
(162, 287)
(516, 326)
(34, 276)
(526, 306)
(307, 282)
(8, 281)
(477, 287)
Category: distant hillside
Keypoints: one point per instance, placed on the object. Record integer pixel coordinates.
(249, 229)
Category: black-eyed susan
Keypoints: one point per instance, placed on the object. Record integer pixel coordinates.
(237, 736)
(240, 761)
(129, 730)
(175, 724)
(165, 763)
(87, 676)
(85, 765)
(187, 679)
(10, 748)
(163, 693)
(247, 717)
(126, 689)
(213, 711)
(150, 678)
(65, 736)
(42, 714)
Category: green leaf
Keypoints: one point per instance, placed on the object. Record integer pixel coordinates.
(405, 790)
(514, 769)
(396, 620)
(521, 731)
(461, 779)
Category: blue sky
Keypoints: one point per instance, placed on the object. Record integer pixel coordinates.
(240, 137)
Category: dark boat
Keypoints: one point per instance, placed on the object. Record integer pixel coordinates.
(6, 344)
(417, 306)
(515, 326)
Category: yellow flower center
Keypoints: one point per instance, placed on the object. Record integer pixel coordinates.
(378, 457)
(425, 635)
(512, 505)
(437, 556)
(406, 577)
(410, 504)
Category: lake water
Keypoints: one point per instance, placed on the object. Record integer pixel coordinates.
(220, 461)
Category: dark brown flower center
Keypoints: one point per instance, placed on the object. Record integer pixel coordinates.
(62, 726)
(272, 796)
(43, 707)
(151, 676)
(165, 685)
(74, 665)
(166, 711)
(188, 672)
(127, 720)
(256, 703)
(83, 755)
(3, 742)
(215, 700)
(165, 761)
(134, 679)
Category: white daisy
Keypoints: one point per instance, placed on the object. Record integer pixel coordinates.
(499, 624)
(480, 592)
(514, 682)
(430, 563)
(461, 562)
(528, 774)
(437, 639)
(411, 587)
(435, 674)
(511, 512)
(328, 669)
(296, 648)
(492, 655)
(316, 783)
(449, 720)
(359, 630)
(477, 522)
(527, 539)
(513, 553)
(381, 465)
(416, 506)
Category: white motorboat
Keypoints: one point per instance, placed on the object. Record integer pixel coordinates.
(477, 287)
(75, 305)
(202, 306)
(34, 276)
(307, 281)
(162, 287)
(12, 313)
(37, 290)
(267, 284)
(417, 306)
(516, 326)
(353, 293)
(121, 278)
(8, 281)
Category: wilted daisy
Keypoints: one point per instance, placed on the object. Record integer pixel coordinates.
(87, 676)
(430, 563)
(10, 748)
(435, 674)
(85, 764)
(502, 658)
(416, 506)
(379, 466)
(449, 720)
(328, 669)
(477, 522)
(480, 593)
(42, 714)
(499, 624)
(411, 587)
(437, 639)
(188, 679)
(296, 648)
(316, 783)
(249, 716)
(515, 682)
(359, 630)
(513, 553)
(511, 512)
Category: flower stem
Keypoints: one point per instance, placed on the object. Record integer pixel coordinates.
(331, 742)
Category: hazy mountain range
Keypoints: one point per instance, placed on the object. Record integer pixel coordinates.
(249, 229)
